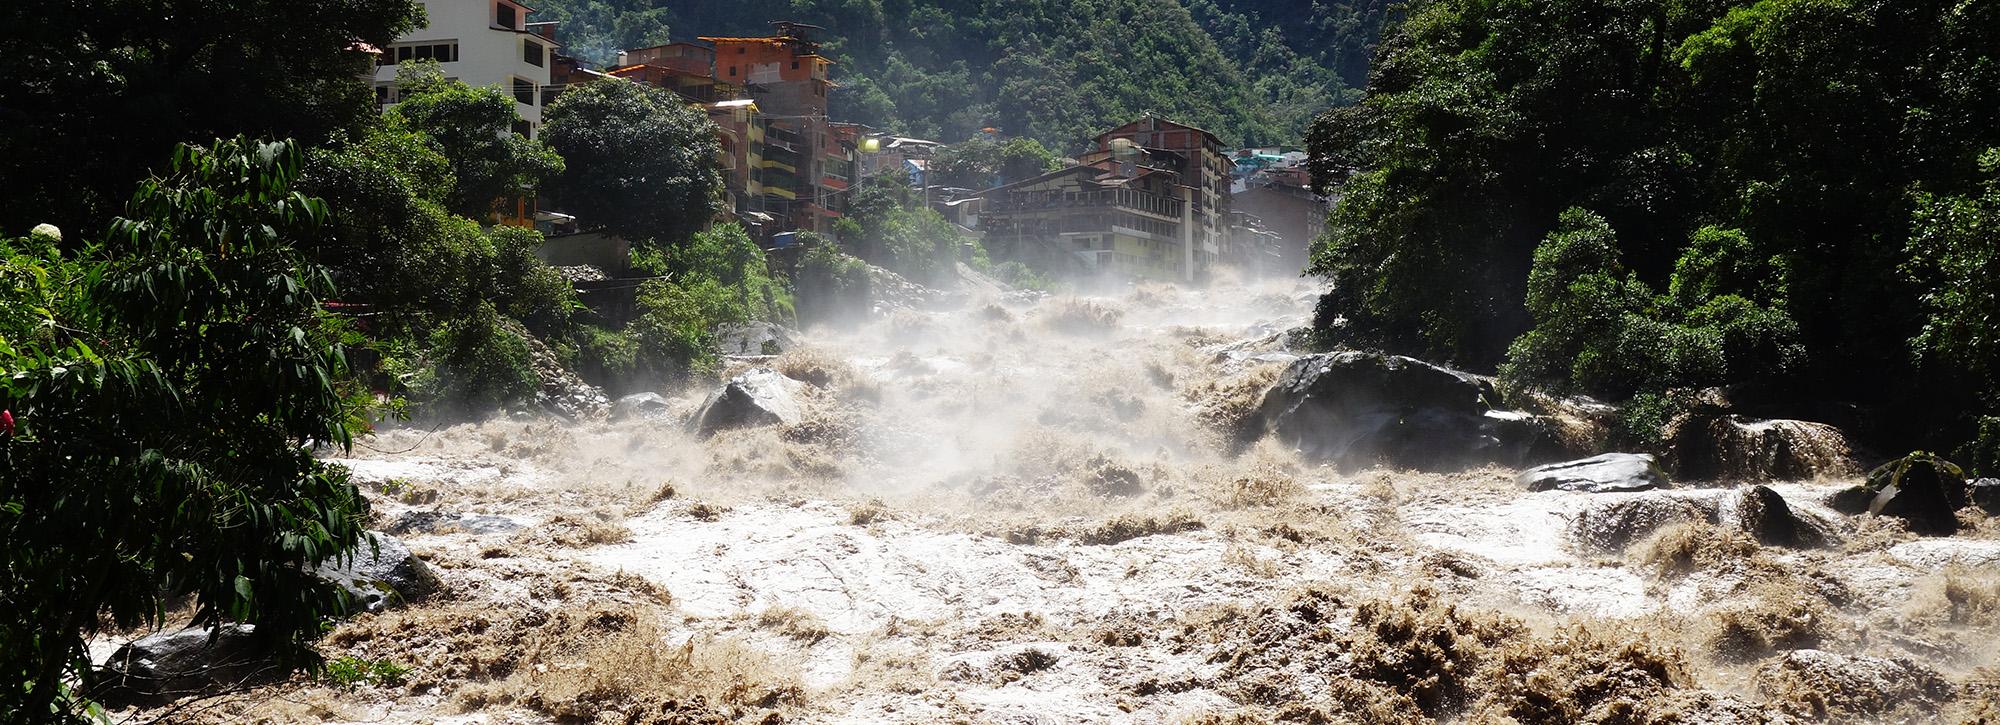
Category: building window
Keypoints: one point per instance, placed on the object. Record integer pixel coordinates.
(506, 16)
(524, 91)
(445, 52)
(732, 71)
(533, 53)
(795, 65)
(524, 128)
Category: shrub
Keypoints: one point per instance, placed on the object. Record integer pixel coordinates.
(605, 357)
(674, 333)
(1722, 320)
(480, 364)
(527, 288)
(1982, 454)
(832, 283)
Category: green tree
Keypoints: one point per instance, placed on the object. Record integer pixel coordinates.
(641, 163)
(108, 87)
(168, 387)
(1757, 158)
(473, 130)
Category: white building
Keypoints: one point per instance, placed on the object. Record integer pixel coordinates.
(486, 43)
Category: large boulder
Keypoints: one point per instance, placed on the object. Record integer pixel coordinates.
(1362, 408)
(1737, 448)
(441, 522)
(380, 573)
(1984, 493)
(1923, 490)
(754, 338)
(759, 397)
(638, 406)
(1762, 513)
(1610, 524)
(1608, 473)
(189, 661)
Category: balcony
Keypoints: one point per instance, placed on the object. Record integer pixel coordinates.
(1124, 199)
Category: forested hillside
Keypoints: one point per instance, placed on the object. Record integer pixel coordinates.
(1638, 199)
(1059, 71)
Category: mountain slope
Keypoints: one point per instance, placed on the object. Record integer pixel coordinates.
(1254, 71)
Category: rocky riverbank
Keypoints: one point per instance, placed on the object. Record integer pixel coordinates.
(1148, 507)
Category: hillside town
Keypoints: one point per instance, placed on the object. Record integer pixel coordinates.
(1152, 199)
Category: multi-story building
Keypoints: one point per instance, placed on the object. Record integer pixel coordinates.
(485, 43)
(790, 82)
(1283, 201)
(1126, 215)
(1202, 165)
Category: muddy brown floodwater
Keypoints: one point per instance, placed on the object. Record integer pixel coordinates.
(1030, 510)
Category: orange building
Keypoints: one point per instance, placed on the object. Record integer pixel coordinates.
(804, 162)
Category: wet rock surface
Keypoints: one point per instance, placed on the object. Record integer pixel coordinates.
(1363, 408)
(639, 406)
(1613, 523)
(1984, 493)
(1607, 473)
(755, 338)
(189, 661)
(1765, 515)
(759, 397)
(440, 522)
(380, 573)
(1739, 448)
(1924, 491)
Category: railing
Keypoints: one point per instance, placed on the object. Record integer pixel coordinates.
(1128, 200)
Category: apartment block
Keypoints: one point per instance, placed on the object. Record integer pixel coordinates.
(485, 43)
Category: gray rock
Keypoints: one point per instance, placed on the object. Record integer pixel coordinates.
(639, 406)
(1984, 493)
(189, 661)
(759, 397)
(1610, 524)
(380, 574)
(1762, 513)
(1736, 448)
(754, 338)
(433, 522)
(1362, 408)
(1608, 473)
(1921, 489)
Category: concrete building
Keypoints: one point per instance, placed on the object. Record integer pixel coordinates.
(1284, 204)
(485, 43)
(1129, 217)
(790, 81)
(1199, 162)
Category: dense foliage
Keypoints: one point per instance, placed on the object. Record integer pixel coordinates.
(716, 278)
(1801, 176)
(104, 88)
(1058, 71)
(887, 226)
(473, 130)
(165, 387)
(979, 163)
(642, 162)
(445, 300)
